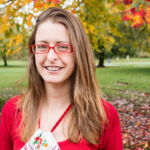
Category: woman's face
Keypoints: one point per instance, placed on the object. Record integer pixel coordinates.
(54, 68)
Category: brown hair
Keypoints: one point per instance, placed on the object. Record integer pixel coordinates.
(87, 113)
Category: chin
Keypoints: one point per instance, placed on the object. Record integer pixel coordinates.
(53, 81)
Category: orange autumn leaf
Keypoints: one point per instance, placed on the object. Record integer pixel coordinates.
(29, 20)
(35, 1)
(137, 21)
(38, 4)
(56, 2)
(147, 16)
(138, 18)
(126, 17)
(73, 11)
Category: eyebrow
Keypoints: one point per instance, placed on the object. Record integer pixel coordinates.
(56, 42)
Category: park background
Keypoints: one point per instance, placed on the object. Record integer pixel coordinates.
(119, 32)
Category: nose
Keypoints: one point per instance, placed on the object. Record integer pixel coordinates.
(51, 56)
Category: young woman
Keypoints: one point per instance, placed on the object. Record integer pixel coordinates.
(63, 107)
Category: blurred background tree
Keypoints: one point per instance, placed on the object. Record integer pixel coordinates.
(108, 23)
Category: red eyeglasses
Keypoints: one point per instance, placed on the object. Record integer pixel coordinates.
(58, 49)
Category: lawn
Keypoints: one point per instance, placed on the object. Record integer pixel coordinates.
(8, 78)
(119, 80)
(126, 84)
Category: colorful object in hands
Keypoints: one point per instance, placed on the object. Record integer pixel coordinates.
(41, 141)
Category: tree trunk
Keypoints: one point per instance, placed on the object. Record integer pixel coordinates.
(5, 60)
(101, 60)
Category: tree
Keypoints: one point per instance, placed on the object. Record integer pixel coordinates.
(101, 19)
(99, 23)
(96, 27)
(16, 20)
(137, 14)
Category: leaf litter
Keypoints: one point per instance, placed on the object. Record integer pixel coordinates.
(134, 117)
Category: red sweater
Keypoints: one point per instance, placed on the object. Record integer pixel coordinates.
(10, 140)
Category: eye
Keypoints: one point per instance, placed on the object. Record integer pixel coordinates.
(42, 47)
(63, 47)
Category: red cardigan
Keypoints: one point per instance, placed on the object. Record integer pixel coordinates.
(10, 140)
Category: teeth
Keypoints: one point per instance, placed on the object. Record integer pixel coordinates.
(53, 68)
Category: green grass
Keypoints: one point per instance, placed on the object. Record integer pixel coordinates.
(14, 63)
(15, 71)
(132, 78)
(114, 80)
(124, 81)
(9, 75)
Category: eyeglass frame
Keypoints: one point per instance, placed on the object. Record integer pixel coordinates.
(72, 49)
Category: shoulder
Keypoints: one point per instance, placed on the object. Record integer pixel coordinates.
(111, 112)
(7, 127)
(10, 104)
(112, 136)
(10, 107)
(8, 115)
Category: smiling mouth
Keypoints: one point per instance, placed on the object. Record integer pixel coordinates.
(53, 68)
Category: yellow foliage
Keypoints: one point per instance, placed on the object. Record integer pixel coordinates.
(46, 6)
(108, 47)
(112, 40)
(30, 24)
(128, 7)
(135, 1)
(4, 19)
(10, 43)
(93, 40)
(2, 2)
(148, 26)
(148, 20)
(122, 49)
(52, 5)
(115, 10)
(8, 9)
(99, 50)
(12, 53)
(3, 28)
(25, 2)
(141, 7)
(38, 9)
(18, 2)
(2, 49)
(149, 39)
(29, 20)
(18, 49)
(84, 24)
(135, 45)
(109, 39)
(108, 5)
(8, 51)
(85, 27)
(92, 28)
(18, 39)
(87, 31)
(30, 17)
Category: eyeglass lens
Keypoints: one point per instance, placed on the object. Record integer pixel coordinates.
(57, 48)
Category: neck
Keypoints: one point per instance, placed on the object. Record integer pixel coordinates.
(57, 95)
